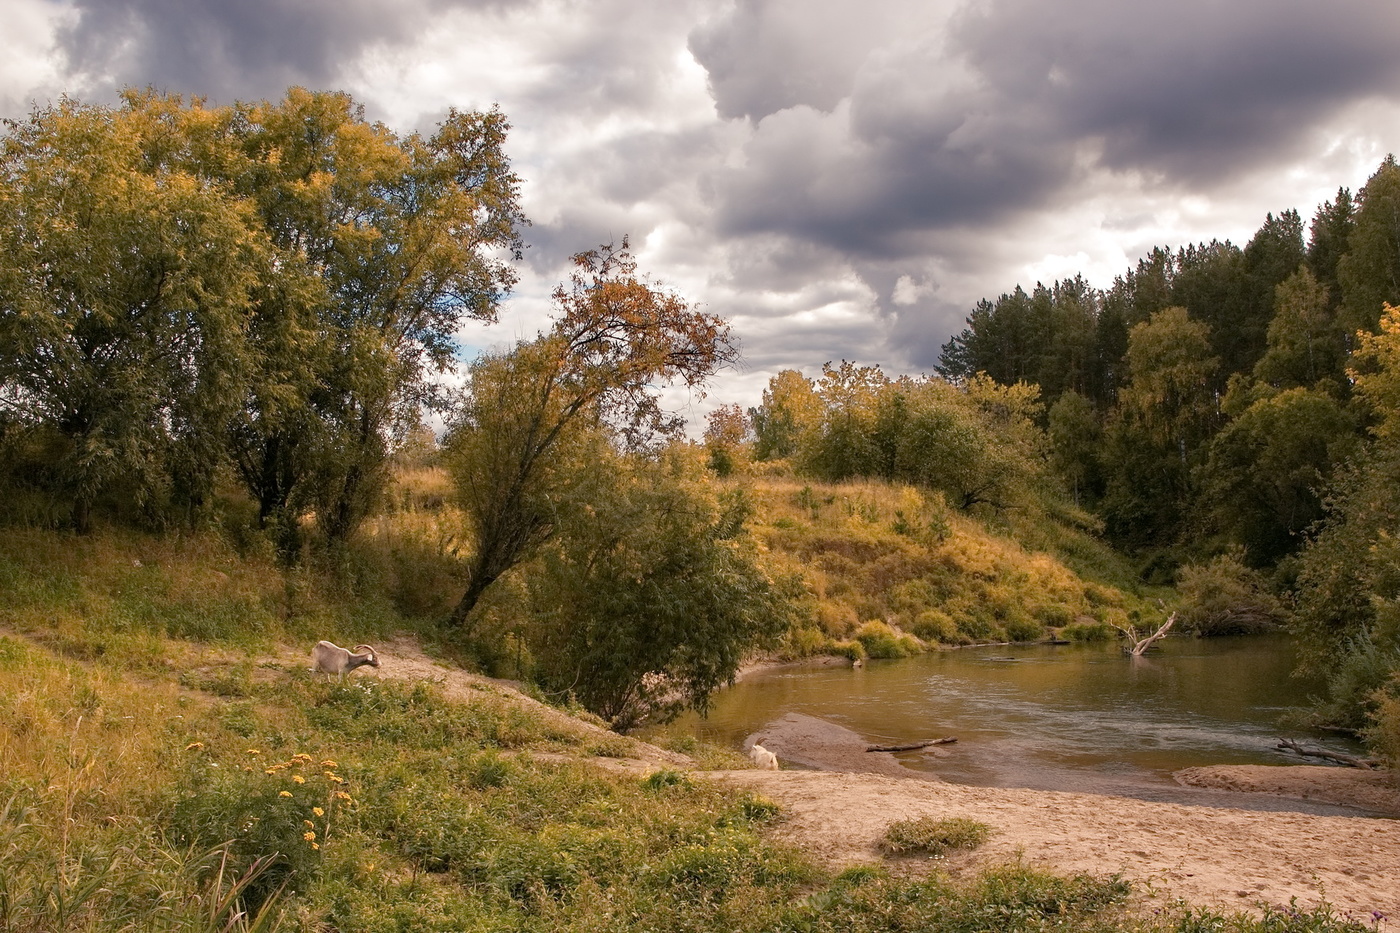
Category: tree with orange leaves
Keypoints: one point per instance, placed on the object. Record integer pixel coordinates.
(517, 445)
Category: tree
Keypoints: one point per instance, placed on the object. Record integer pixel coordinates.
(1075, 439)
(651, 594)
(1369, 273)
(845, 443)
(790, 410)
(1348, 586)
(1305, 343)
(385, 244)
(1267, 470)
(126, 283)
(1327, 241)
(614, 339)
(727, 434)
(1164, 418)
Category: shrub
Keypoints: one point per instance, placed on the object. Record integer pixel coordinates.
(1022, 627)
(929, 836)
(935, 625)
(1088, 630)
(1224, 597)
(880, 641)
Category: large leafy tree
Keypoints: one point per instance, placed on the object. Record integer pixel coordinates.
(127, 281)
(1348, 598)
(385, 245)
(616, 337)
(790, 410)
(1264, 480)
(1305, 343)
(1165, 416)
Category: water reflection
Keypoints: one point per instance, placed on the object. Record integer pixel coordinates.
(1051, 717)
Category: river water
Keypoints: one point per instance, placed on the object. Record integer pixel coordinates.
(1052, 717)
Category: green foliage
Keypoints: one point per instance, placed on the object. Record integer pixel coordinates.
(1224, 597)
(1370, 270)
(128, 278)
(927, 835)
(653, 594)
(1263, 482)
(1089, 632)
(185, 295)
(880, 641)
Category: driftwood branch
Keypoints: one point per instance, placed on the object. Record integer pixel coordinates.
(910, 747)
(1141, 645)
(1351, 760)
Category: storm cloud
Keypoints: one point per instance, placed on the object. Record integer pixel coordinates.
(840, 179)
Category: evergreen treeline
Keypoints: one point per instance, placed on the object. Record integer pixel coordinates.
(1217, 397)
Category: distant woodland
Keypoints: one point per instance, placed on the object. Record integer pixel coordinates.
(235, 321)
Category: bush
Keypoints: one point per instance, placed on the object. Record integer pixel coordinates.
(1224, 597)
(1383, 735)
(929, 836)
(1088, 631)
(935, 625)
(880, 641)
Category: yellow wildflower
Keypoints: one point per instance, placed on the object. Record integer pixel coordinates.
(298, 778)
(302, 756)
(309, 836)
(315, 845)
(318, 811)
(285, 793)
(333, 777)
(194, 745)
(309, 824)
(342, 795)
(328, 764)
(254, 751)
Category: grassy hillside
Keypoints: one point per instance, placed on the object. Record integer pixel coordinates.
(876, 559)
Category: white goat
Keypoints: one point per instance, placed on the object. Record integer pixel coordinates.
(763, 758)
(332, 659)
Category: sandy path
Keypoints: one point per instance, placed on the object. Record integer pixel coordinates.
(1230, 859)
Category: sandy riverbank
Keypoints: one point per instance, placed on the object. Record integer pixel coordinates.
(1227, 858)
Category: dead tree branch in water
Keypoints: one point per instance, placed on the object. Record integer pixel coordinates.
(911, 747)
(1140, 645)
(1370, 764)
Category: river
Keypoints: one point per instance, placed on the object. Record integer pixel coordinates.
(1052, 717)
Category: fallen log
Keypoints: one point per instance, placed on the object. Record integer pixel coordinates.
(909, 748)
(1370, 764)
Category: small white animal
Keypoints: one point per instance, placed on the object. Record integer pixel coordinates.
(763, 758)
(329, 659)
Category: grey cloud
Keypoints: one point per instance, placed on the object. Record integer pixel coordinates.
(1006, 110)
(245, 49)
(1196, 89)
(769, 55)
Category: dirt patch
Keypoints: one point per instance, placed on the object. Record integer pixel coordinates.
(815, 743)
(1354, 787)
(1227, 859)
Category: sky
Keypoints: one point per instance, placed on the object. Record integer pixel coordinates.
(840, 180)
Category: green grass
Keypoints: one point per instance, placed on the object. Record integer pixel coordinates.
(927, 835)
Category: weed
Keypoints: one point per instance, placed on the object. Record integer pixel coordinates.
(927, 835)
